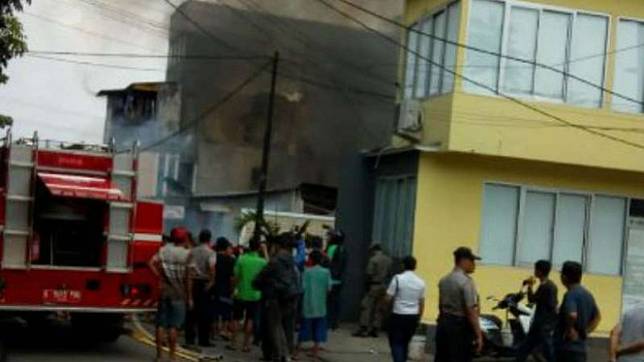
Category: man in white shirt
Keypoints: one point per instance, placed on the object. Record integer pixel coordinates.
(627, 338)
(407, 292)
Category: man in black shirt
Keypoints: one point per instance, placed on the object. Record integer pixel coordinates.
(545, 317)
(223, 288)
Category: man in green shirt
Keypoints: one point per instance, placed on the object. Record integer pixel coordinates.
(317, 285)
(247, 298)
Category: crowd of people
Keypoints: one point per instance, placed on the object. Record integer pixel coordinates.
(558, 332)
(282, 295)
(275, 295)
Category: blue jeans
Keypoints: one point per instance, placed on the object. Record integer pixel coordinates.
(401, 331)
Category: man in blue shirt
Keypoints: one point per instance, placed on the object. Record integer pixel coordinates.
(578, 316)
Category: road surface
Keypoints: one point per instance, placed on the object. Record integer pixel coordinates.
(60, 343)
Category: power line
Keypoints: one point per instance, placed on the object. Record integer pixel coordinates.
(127, 18)
(307, 42)
(147, 56)
(309, 81)
(479, 84)
(197, 120)
(86, 31)
(484, 51)
(104, 65)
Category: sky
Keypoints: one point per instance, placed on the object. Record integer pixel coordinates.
(58, 99)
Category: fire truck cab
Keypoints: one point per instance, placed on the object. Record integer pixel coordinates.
(74, 238)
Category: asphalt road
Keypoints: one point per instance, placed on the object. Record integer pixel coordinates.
(60, 343)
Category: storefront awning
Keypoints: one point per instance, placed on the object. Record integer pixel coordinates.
(83, 187)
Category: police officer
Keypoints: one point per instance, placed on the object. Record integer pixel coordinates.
(458, 334)
(378, 272)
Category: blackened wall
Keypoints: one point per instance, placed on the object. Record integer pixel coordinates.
(336, 87)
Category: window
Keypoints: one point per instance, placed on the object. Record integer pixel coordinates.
(538, 222)
(568, 41)
(521, 225)
(500, 213)
(428, 54)
(607, 225)
(393, 218)
(485, 32)
(629, 68)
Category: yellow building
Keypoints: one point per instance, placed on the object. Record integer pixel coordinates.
(537, 153)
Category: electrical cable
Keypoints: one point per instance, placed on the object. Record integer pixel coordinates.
(484, 51)
(479, 84)
(233, 48)
(104, 65)
(143, 55)
(88, 32)
(199, 118)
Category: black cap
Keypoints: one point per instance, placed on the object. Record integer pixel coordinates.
(465, 253)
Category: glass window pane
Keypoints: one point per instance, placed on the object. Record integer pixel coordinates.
(499, 224)
(570, 229)
(552, 52)
(522, 43)
(379, 209)
(537, 227)
(437, 53)
(423, 63)
(589, 40)
(454, 13)
(629, 68)
(485, 32)
(606, 235)
(410, 64)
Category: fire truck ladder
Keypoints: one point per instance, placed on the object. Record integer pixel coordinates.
(21, 163)
(121, 217)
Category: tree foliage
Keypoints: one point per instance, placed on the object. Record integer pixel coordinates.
(12, 41)
(12, 38)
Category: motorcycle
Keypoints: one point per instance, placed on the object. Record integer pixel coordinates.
(501, 339)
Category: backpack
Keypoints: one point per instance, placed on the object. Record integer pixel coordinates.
(285, 280)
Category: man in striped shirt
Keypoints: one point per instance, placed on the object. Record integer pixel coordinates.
(170, 265)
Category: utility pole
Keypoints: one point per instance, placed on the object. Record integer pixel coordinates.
(266, 151)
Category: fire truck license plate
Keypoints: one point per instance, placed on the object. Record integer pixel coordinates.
(61, 296)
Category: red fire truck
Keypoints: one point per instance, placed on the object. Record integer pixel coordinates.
(74, 237)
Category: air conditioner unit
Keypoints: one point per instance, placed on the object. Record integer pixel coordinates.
(410, 116)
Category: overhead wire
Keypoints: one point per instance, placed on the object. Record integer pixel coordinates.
(130, 19)
(306, 42)
(150, 56)
(483, 51)
(94, 64)
(230, 47)
(477, 83)
(87, 31)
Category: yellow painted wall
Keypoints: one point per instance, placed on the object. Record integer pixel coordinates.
(448, 215)
(494, 126)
